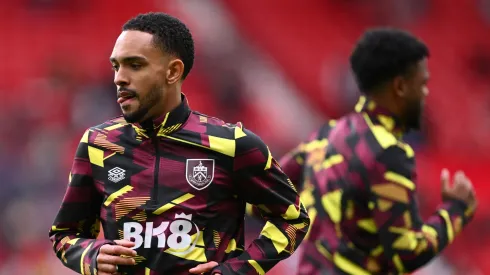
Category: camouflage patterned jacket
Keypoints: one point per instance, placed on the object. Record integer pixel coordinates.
(359, 184)
(178, 189)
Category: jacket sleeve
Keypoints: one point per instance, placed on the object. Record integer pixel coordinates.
(76, 225)
(308, 155)
(261, 182)
(291, 164)
(407, 241)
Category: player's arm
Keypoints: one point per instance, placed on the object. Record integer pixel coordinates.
(407, 241)
(261, 182)
(291, 164)
(76, 226)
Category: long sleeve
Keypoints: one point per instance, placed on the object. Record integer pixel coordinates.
(291, 164)
(309, 154)
(407, 242)
(261, 182)
(76, 226)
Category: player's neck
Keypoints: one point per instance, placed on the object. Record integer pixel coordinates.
(167, 104)
(171, 101)
(383, 101)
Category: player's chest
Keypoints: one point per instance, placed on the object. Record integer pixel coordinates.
(165, 166)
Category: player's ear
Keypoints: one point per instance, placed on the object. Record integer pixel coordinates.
(175, 71)
(400, 86)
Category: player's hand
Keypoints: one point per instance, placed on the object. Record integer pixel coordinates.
(202, 268)
(461, 189)
(110, 257)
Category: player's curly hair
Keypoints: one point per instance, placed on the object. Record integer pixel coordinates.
(169, 33)
(381, 54)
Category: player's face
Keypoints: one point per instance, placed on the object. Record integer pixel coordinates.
(139, 74)
(415, 95)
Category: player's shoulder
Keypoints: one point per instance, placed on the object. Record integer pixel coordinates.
(317, 139)
(323, 131)
(360, 133)
(204, 119)
(218, 128)
(109, 127)
(234, 134)
(378, 137)
(111, 124)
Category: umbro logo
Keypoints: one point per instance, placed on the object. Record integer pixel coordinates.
(117, 174)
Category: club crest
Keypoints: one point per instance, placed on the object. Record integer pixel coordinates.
(199, 172)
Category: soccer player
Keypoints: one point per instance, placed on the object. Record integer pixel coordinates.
(168, 184)
(358, 177)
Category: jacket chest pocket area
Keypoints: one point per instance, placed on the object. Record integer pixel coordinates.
(122, 175)
(188, 175)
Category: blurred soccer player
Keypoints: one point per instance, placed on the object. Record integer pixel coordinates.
(358, 178)
(169, 184)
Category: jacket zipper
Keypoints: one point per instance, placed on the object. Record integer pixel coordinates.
(154, 195)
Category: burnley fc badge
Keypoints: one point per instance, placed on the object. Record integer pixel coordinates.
(199, 172)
